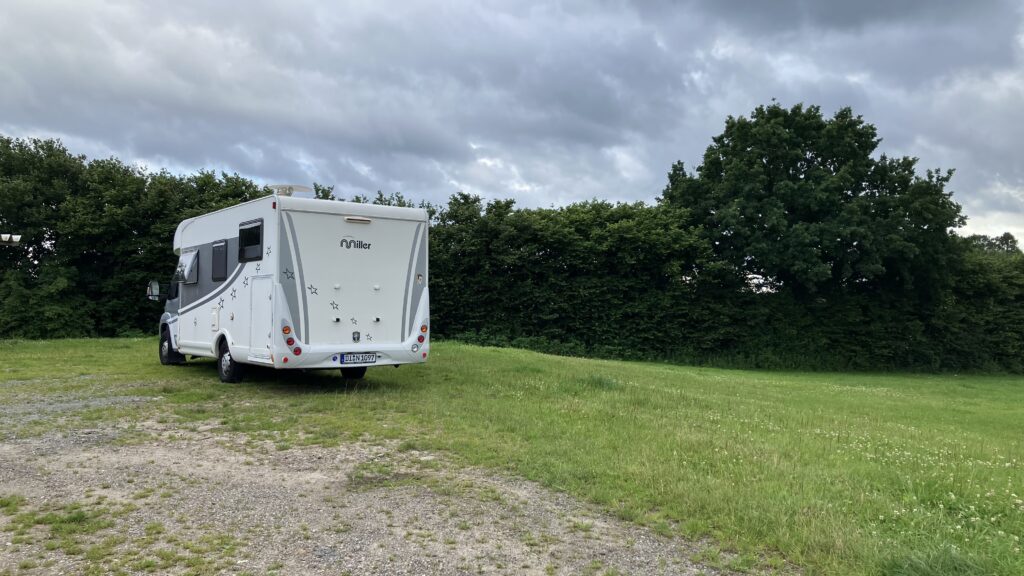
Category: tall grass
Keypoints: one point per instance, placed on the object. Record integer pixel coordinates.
(833, 473)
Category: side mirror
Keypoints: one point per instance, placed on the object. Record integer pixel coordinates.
(153, 291)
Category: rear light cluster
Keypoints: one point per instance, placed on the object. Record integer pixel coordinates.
(420, 339)
(286, 330)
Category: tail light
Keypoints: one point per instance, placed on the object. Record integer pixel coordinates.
(420, 338)
(423, 329)
(297, 351)
(284, 360)
(290, 341)
(286, 330)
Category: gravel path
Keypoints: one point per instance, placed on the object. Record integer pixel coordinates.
(202, 500)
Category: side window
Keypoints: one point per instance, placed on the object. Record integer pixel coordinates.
(250, 241)
(219, 268)
(192, 269)
(188, 268)
(172, 292)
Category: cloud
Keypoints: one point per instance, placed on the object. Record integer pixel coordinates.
(548, 103)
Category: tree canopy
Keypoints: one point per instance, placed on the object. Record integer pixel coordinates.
(794, 243)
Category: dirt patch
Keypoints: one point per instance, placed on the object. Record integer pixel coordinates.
(206, 501)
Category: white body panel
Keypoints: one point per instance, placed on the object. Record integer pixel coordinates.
(344, 277)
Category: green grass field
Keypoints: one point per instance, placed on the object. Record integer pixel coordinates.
(828, 473)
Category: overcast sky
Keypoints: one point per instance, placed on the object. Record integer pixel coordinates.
(546, 103)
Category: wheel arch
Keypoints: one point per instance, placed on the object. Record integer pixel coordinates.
(221, 337)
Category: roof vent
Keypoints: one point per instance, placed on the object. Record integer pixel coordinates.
(288, 189)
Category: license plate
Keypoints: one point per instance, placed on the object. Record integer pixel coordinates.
(360, 358)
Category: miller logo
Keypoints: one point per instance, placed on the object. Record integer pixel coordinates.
(350, 242)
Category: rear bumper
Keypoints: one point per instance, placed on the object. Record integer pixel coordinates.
(323, 356)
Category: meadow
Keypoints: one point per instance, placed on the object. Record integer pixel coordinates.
(820, 473)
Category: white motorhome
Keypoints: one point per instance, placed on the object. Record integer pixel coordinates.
(298, 283)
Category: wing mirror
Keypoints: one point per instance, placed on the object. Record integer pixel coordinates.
(153, 291)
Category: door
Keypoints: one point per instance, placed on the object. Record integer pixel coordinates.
(261, 318)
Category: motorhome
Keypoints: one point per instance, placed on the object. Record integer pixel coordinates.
(298, 283)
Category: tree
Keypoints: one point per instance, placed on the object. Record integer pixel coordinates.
(799, 202)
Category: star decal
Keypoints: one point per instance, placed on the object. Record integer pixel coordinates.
(195, 321)
(289, 274)
(233, 293)
(368, 337)
(257, 267)
(220, 302)
(354, 321)
(268, 250)
(312, 289)
(334, 305)
(245, 282)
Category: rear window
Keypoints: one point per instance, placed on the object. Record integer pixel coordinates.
(250, 241)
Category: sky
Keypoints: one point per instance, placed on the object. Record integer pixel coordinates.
(547, 103)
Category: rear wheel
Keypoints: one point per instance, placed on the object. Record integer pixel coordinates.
(353, 373)
(228, 370)
(169, 355)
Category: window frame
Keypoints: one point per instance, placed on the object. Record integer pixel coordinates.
(249, 224)
(223, 246)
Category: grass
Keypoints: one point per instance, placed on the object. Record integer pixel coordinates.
(831, 473)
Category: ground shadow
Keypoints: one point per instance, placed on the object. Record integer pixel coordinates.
(296, 381)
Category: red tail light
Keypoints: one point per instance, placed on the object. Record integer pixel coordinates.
(297, 351)
(284, 360)
(420, 338)
(290, 341)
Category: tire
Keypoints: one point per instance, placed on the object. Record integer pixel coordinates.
(168, 355)
(353, 373)
(228, 370)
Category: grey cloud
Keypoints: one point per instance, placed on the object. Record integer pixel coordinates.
(544, 102)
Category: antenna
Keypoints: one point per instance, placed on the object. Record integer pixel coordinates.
(288, 189)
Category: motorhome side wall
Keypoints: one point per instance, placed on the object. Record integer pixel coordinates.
(215, 307)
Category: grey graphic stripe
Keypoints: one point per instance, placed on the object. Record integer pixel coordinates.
(409, 280)
(421, 268)
(218, 292)
(287, 280)
(297, 254)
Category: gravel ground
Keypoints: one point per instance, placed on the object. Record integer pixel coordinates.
(202, 500)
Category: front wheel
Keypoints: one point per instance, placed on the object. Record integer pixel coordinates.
(169, 355)
(228, 370)
(353, 373)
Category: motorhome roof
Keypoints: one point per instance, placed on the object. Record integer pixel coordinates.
(356, 209)
(314, 205)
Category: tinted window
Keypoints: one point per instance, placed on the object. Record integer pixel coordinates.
(219, 269)
(192, 271)
(188, 268)
(250, 241)
(172, 293)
